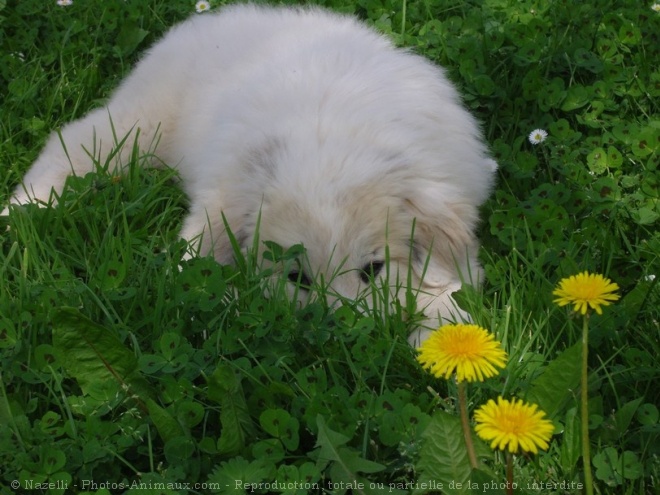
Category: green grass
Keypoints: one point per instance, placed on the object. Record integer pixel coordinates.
(122, 364)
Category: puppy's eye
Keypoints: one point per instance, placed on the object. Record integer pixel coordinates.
(371, 270)
(299, 278)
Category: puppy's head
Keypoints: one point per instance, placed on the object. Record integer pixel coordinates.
(352, 238)
(391, 229)
(364, 213)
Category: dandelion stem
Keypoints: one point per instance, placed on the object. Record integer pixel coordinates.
(509, 473)
(465, 422)
(584, 395)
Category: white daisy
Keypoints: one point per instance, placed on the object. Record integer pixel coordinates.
(202, 6)
(656, 7)
(64, 3)
(537, 136)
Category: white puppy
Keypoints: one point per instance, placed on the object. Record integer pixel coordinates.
(317, 124)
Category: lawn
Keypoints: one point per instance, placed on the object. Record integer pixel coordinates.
(125, 369)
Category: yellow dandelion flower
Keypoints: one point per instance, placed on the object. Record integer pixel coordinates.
(469, 350)
(514, 425)
(586, 290)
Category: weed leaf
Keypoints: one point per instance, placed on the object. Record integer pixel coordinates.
(238, 474)
(558, 382)
(570, 450)
(95, 357)
(345, 462)
(225, 389)
(7, 333)
(168, 428)
(130, 37)
(624, 416)
(443, 457)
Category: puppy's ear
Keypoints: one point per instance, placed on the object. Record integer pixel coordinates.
(444, 242)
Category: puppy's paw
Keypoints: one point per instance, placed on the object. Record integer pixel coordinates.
(20, 197)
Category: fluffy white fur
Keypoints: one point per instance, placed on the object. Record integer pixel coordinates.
(313, 121)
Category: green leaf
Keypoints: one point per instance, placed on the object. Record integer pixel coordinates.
(630, 467)
(7, 333)
(53, 460)
(59, 480)
(526, 164)
(238, 475)
(626, 133)
(443, 457)
(647, 414)
(270, 449)
(280, 424)
(484, 482)
(570, 451)
(27, 479)
(93, 450)
(614, 157)
(597, 161)
(225, 388)
(130, 37)
(151, 363)
(558, 382)
(95, 357)
(306, 475)
(527, 54)
(624, 415)
(111, 274)
(644, 216)
(605, 190)
(345, 462)
(169, 343)
(46, 356)
(577, 96)
(484, 85)
(614, 469)
(201, 282)
(630, 34)
(561, 129)
(588, 60)
(646, 142)
(179, 450)
(605, 463)
(190, 413)
(167, 426)
(344, 316)
(402, 424)
(51, 423)
(233, 437)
